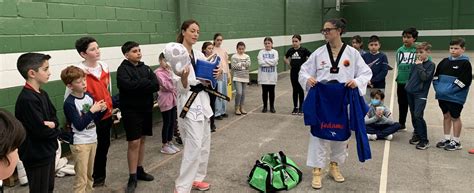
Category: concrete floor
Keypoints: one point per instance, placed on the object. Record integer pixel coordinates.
(396, 166)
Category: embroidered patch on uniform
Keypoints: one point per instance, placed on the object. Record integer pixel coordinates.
(323, 63)
(346, 63)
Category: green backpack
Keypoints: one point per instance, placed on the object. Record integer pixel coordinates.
(274, 172)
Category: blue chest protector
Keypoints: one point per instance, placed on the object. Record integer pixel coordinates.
(333, 110)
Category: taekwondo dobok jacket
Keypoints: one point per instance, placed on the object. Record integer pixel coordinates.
(333, 110)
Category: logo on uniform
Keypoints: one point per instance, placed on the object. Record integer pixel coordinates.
(323, 63)
(346, 63)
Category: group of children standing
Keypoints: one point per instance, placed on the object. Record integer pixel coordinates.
(416, 72)
(88, 103)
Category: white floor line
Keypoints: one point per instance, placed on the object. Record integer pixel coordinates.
(386, 150)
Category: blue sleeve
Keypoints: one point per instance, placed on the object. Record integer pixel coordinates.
(79, 122)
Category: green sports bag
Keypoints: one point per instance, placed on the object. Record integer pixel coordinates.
(274, 172)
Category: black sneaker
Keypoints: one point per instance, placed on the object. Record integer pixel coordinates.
(131, 186)
(272, 110)
(142, 175)
(443, 143)
(422, 145)
(218, 117)
(295, 111)
(453, 145)
(213, 128)
(414, 140)
(99, 182)
(225, 115)
(264, 110)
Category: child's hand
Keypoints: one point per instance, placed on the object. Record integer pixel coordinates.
(418, 61)
(379, 113)
(97, 106)
(50, 124)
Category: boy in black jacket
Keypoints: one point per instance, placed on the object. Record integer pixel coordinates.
(36, 112)
(136, 83)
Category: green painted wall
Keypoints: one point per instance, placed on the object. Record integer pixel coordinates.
(38, 25)
(389, 15)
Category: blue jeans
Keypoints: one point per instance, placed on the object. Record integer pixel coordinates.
(417, 104)
(240, 93)
(221, 104)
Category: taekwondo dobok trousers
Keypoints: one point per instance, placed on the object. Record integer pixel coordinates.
(321, 151)
(196, 137)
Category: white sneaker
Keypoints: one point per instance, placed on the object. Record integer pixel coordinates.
(167, 150)
(176, 149)
(389, 137)
(372, 137)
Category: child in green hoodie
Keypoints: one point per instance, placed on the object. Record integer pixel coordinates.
(405, 56)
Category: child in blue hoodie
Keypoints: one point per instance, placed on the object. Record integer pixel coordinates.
(452, 80)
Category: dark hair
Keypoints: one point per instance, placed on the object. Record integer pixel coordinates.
(71, 73)
(268, 39)
(240, 44)
(338, 23)
(184, 27)
(128, 46)
(30, 61)
(83, 43)
(204, 46)
(458, 41)
(374, 38)
(12, 134)
(217, 35)
(357, 38)
(377, 92)
(412, 31)
(161, 56)
(297, 36)
(423, 46)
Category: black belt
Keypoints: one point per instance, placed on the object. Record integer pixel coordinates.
(196, 89)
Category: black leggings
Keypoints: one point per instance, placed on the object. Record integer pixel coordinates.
(268, 89)
(169, 118)
(298, 92)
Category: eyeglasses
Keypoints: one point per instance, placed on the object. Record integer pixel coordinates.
(327, 30)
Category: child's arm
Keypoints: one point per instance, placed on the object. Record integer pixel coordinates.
(426, 74)
(465, 78)
(386, 118)
(383, 72)
(127, 84)
(235, 64)
(37, 129)
(260, 59)
(79, 121)
(155, 85)
(370, 117)
(166, 86)
(247, 62)
(274, 61)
